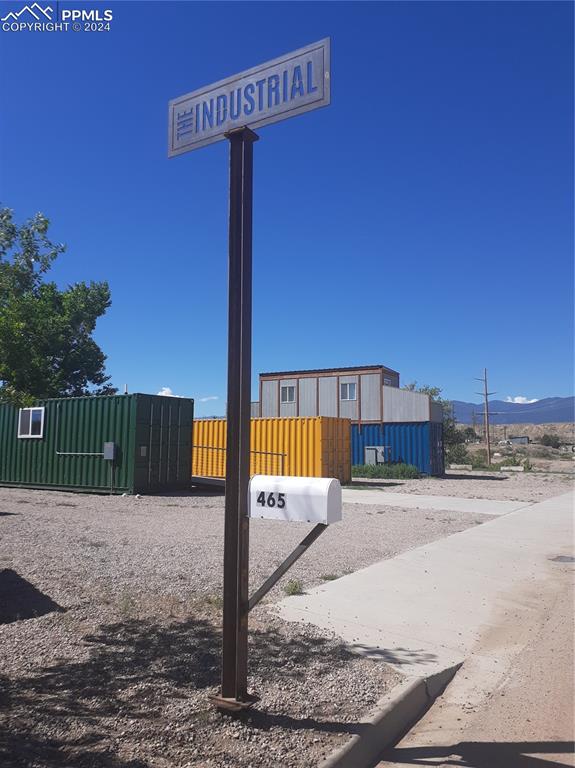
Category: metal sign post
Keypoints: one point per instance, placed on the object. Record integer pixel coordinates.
(229, 109)
(236, 536)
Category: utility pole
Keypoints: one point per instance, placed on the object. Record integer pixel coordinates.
(486, 394)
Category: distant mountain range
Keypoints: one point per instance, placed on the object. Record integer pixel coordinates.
(547, 411)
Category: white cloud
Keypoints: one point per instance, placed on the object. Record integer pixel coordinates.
(208, 398)
(520, 400)
(167, 392)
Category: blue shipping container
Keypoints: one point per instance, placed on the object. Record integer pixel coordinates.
(417, 443)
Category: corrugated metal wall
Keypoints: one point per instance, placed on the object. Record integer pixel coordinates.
(328, 395)
(307, 402)
(163, 443)
(402, 405)
(152, 435)
(71, 426)
(420, 444)
(437, 452)
(371, 397)
(269, 405)
(305, 447)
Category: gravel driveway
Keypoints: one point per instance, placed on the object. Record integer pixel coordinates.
(109, 633)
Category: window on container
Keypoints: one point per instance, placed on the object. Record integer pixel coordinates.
(348, 391)
(31, 422)
(288, 394)
(388, 382)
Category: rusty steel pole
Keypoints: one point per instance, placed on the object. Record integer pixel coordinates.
(234, 693)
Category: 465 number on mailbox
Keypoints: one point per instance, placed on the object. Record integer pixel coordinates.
(271, 499)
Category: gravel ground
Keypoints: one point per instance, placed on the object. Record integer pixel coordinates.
(77, 546)
(109, 633)
(498, 486)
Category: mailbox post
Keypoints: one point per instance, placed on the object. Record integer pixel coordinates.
(302, 499)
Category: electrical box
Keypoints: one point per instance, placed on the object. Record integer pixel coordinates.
(301, 499)
(377, 454)
(110, 451)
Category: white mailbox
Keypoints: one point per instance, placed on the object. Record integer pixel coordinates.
(304, 499)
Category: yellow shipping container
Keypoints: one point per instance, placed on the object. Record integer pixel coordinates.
(304, 447)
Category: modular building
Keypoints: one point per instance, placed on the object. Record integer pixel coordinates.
(367, 395)
(350, 393)
(115, 444)
(305, 447)
(407, 426)
(420, 444)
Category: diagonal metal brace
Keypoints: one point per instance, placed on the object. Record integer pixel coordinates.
(286, 565)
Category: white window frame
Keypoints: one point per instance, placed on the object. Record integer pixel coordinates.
(285, 388)
(387, 381)
(30, 436)
(347, 385)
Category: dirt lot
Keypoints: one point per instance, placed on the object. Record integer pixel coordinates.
(109, 633)
(109, 628)
(498, 486)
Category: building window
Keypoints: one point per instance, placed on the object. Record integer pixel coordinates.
(348, 391)
(387, 382)
(31, 422)
(288, 395)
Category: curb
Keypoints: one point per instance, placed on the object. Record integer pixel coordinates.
(394, 715)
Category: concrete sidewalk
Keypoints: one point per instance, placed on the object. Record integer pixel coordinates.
(417, 501)
(427, 608)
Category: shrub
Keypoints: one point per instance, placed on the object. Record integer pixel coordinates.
(457, 454)
(294, 587)
(509, 460)
(479, 459)
(552, 441)
(386, 471)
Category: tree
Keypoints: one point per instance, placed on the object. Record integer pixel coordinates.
(46, 344)
(470, 434)
(452, 437)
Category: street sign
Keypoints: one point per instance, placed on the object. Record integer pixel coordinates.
(231, 109)
(290, 85)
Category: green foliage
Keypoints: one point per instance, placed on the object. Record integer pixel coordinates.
(433, 392)
(451, 435)
(509, 460)
(470, 434)
(46, 344)
(386, 471)
(550, 440)
(294, 587)
(457, 454)
(479, 459)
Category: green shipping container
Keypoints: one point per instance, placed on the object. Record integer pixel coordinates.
(117, 443)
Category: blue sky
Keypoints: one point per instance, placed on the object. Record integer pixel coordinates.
(423, 220)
